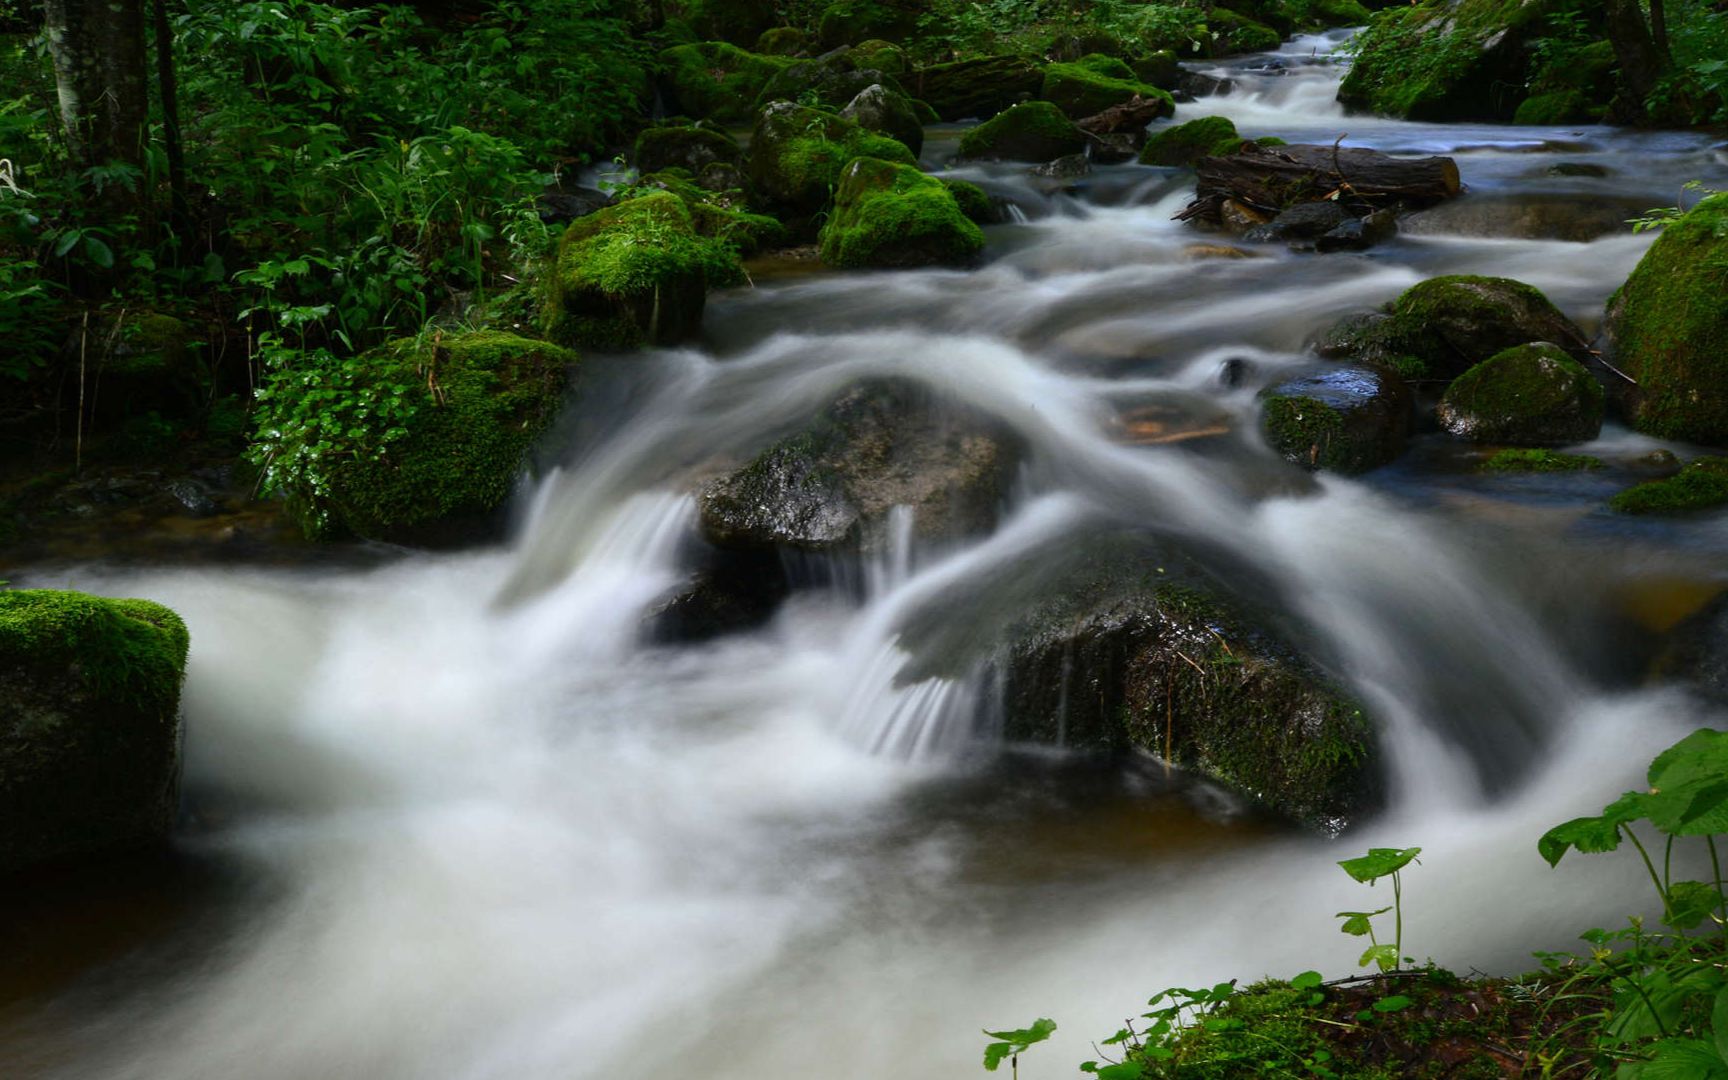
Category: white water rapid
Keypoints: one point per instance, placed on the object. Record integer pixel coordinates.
(477, 827)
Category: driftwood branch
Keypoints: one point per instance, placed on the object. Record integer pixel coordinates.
(1272, 178)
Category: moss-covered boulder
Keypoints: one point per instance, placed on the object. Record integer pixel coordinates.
(717, 214)
(973, 201)
(740, 22)
(716, 81)
(1036, 131)
(830, 80)
(1340, 419)
(1123, 660)
(1184, 144)
(1701, 485)
(979, 87)
(635, 273)
(879, 109)
(1093, 83)
(1447, 60)
(1528, 395)
(796, 154)
(888, 215)
(418, 440)
(848, 22)
(1240, 34)
(883, 56)
(783, 41)
(1668, 328)
(89, 724)
(1446, 325)
(684, 146)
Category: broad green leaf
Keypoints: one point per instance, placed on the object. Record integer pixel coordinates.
(1379, 862)
(994, 1053)
(1684, 1059)
(1719, 1023)
(1386, 956)
(1128, 1070)
(1357, 923)
(1037, 1033)
(100, 253)
(1395, 1003)
(1587, 834)
(1308, 980)
(1690, 903)
(1686, 794)
(1706, 812)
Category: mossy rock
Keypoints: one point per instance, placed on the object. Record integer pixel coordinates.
(883, 56)
(783, 41)
(740, 22)
(1036, 131)
(89, 724)
(888, 215)
(633, 274)
(1330, 14)
(1339, 419)
(1539, 461)
(1668, 328)
(979, 87)
(684, 146)
(1238, 34)
(1558, 107)
(152, 366)
(1528, 395)
(1094, 83)
(1444, 326)
(796, 154)
(717, 81)
(848, 22)
(1701, 485)
(482, 400)
(887, 112)
(1447, 60)
(719, 215)
(1162, 69)
(829, 81)
(1184, 144)
(973, 201)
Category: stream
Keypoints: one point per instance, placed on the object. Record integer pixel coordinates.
(463, 820)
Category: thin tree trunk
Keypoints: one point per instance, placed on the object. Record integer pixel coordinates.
(1640, 64)
(1659, 28)
(167, 87)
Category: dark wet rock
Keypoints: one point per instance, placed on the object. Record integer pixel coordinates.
(830, 488)
(974, 202)
(1528, 395)
(1239, 218)
(194, 495)
(796, 154)
(1702, 484)
(1199, 85)
(560, 207)
(684, 146)
(1577, 218)
(879, 109)
(1034, 132)
(1161, 69)
(1341, 418)
(1071, 167)
(1579, 168)
(1304, 221)
(1668, 329)
(730, 591)
(1116, 149)
(982, 87)
(89, 724)
(1360, 234)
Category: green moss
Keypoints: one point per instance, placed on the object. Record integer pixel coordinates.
(783, 41)
(1559, 107)
(1701, 485)
(130, 652)
(714, 214)
(688, 145)
(797, 153)
(1183, 144)
(1094, 83)
(848, 22)
(1531, 395)
(1669, 328)
(1033, 131)
(718, 81)
(1239, 35)
(883, 56)
(889, 215)
(1541, 461)
(633, 273)
(972, 200)
(1443, 60)
(979, 87)
(1447, 324)
(1313, 428)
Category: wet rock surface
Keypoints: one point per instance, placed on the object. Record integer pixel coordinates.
(1529, 395)
(1346, 419)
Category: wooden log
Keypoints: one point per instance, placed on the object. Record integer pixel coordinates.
(1131, 116)
(1272, 178)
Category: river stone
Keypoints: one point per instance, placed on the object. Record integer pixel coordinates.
(1338, 418)
(684, 146)
(1575, 218)
(1304, 221)
(89, 724)
(893, 216)
(1360, 234)
(1034, 132)
(1529, 395)
(796, 154)
(879, 109)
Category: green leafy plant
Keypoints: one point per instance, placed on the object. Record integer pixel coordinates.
(1011, 1044)
(1369, 868)
(1659, 216)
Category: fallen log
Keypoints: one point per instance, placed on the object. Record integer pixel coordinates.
(1130, 116)
(1273, 178)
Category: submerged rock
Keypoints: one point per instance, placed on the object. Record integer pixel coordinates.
(1338, 418)
(1528, 395)
(1359, 234)
(888, 215)
(89, 724)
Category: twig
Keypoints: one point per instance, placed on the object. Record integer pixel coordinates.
(83, 351)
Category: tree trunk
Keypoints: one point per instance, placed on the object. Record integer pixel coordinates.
(168, 90)
(99, 70)
(1659, 28)
(1273, 178)
(1640, 61)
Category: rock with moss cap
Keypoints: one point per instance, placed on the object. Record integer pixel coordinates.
(684, 146)
(881, 55)
(1239, 34)
(829, 81)
(1094, 83)
(716, 81)
(1036, 131)
(1701, 485)
(740, 22)
(467, 410)
(89, 724)
(1668, 328)
(979, 87)
(783, 41)
(1339, 418)
(635, 273)
(888, 215)
(718, 214)
(1444, 326)
(973, 201)
(1528, 395)
(1184, 144)
(1446, 60)
(796, 154)
(879, 109)
(848, 22)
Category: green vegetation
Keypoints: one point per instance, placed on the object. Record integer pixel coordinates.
(717, 81)
(797, 152)
(1094, 83)
(889, 215)
(1183, 144)
(1540, 461)
(1701, 485)
(1033, 131)
(1446, 325)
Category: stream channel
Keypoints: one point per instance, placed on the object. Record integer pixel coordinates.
(471, 824)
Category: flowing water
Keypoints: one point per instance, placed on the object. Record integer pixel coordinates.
(473, 824)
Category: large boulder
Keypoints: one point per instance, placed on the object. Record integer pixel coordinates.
(1036, 131)
(796, 154)
(1094, 83)
(684, 146)
(981, 87)
(1528, 395)
(635, 273)
(888, 215)
(716, 81)
(1183, 144)
(722, 214)
(830, 80)
(886, 112)
(1668, 328)
(1337, 418)
(1446, 325)
(849, 22)
(740, 22)
(417, 440)
(1446, 60)
(89, 724)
